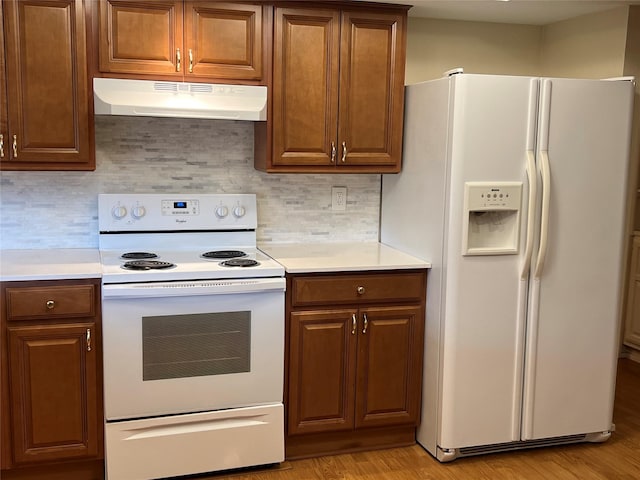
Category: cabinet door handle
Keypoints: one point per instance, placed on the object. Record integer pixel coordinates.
(365, 323)
(178, 60)
(333, 152)
(88, 339)
(344, 152)
(15, 146)
(50, 304)
(354, 324)
(190, 61)
(1, 146)
(360, 290)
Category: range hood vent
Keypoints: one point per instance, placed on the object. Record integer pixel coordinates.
(114, 96)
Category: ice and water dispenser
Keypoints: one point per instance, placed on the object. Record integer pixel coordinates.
(491, 218)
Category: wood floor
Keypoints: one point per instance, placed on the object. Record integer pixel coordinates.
(618, 458)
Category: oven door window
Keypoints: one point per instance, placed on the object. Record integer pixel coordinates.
(182, 346)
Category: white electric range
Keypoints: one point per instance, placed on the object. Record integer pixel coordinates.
(193, 333)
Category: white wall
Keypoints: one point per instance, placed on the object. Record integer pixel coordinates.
(435, 46)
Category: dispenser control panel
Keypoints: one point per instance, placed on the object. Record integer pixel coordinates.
(483, 196)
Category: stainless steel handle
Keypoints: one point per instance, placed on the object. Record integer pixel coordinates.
(366, 323)
(360, 290)
(88, 339)
(178, 60)
(354, 324)
(50, 304)
(190, 61)
(333, 152)
(1, 146)
(15, 146)
(344, 152)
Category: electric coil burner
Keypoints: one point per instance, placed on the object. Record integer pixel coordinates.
(193, 349)
(138, 255)
(147, 265)
(240, 262)
(217, 254)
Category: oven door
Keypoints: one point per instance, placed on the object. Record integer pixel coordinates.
(184, 347)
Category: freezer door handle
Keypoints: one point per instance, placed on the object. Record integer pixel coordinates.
(533, 187)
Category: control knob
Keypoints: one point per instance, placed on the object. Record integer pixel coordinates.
(239, 211)
(222, 211)
(138, 211)
(119, 212)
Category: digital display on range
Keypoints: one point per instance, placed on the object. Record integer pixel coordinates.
(179, 204)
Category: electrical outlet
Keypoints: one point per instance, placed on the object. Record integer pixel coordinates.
(338, 199)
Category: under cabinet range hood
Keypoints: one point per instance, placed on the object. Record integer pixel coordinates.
(114, 96)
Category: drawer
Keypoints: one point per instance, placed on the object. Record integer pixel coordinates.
(25, 303)
(358, 288)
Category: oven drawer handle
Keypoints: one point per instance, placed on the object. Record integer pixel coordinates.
(185, 289)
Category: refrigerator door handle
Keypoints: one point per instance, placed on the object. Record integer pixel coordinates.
(545, 172)
(531, 210)
(544, 222)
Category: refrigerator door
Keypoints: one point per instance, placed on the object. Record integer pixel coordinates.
(572, 332)
(483, 314)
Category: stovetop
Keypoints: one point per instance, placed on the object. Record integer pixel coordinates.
(175, 231)
(186, 265)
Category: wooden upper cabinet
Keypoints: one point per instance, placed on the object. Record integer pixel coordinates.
(141, 37)
(371, 90)
(47, 126)
(305, 87)
(190, 40)
(338, 91)
(224, 40)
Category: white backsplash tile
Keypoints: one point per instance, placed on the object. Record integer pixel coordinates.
(155, 155)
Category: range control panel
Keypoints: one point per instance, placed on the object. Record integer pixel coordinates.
(175, 212)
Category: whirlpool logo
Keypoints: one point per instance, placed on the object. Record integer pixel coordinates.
(180, 220)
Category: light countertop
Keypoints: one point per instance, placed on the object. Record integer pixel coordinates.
(54, 264)
(340, 257)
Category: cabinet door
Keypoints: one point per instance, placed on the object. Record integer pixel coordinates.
(48, 90)
(321, 371)
(141, 37)
(371, 90)
(305, 87)
(389, 366)
(223, 40)
(4, 124)
(53, 381)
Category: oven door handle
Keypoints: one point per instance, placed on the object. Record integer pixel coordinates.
(199, 287)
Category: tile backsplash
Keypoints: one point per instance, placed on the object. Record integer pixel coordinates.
(156, 155)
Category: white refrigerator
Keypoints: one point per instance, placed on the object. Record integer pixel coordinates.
(514, 188)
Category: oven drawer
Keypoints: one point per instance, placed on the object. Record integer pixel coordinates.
(358, 288)
(195, 443)
(25, 303)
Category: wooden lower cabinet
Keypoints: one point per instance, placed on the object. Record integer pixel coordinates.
(51, 381)
(354, 372)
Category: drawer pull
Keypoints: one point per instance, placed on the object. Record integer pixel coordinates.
(366, 323)
(360, 290)
(354, 324)
(88, 339)
(50, 304)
